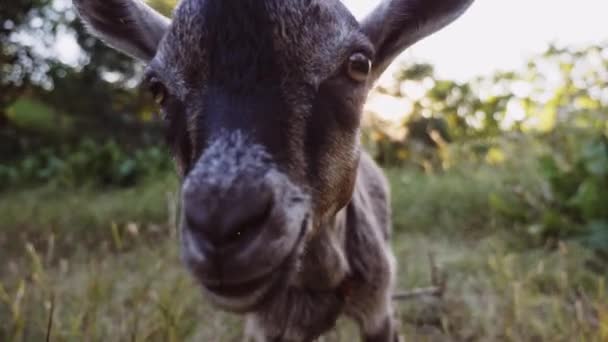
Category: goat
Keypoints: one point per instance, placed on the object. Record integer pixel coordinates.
(285, 218)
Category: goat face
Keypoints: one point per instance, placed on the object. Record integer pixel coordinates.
(262, 100)
(271, 97)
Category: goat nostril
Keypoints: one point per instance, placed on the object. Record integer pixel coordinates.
(251, 226)
(229, 220)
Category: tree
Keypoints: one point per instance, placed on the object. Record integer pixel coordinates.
(20, 64)
(97, 97)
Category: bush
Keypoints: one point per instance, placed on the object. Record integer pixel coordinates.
(88, 163)
(573, 199)
(579, 192)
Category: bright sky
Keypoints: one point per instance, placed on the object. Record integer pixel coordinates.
(501, 34)
(493, 34)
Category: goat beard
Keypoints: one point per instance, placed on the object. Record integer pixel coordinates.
(321, 262)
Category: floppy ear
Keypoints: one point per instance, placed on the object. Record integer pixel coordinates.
(129, 26)
(397, 24)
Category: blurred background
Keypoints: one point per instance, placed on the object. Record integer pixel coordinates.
(493, 132)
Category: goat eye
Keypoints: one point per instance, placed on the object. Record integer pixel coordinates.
(359, 67)
(158, 91)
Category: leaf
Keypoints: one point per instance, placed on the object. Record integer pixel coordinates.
(591, 199)
(510, 209)
(556, 224)
(127, 168)
(596, 158)
(548, 166)
(597, 236)
(495, 156)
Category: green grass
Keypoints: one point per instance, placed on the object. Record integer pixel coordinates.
(84, 218)
(459, 200)
(443, 202)
(117, 276)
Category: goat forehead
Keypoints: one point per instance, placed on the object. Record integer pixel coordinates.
(307, 35)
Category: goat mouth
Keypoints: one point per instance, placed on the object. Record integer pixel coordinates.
(264, 284)
(240, 289)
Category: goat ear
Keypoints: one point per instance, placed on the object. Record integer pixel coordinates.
(397, 24)
(129, 26)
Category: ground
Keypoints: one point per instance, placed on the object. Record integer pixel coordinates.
(106, 265)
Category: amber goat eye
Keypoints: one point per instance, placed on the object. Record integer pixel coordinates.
(359, 67)
(158, 91)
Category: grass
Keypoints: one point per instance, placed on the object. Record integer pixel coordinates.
(83, 219)
(117, 275)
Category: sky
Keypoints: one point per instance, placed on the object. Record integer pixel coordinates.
(502, 34)
(492, 35)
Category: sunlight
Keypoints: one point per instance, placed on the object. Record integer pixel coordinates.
(67, 49)
(507, 46)
(388, 108)
(500, 35)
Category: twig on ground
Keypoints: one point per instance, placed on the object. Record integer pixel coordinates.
(438, 282)
(417, 293)
(49, 326)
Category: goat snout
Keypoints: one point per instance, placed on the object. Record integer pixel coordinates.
(240, 236)
(221, 223)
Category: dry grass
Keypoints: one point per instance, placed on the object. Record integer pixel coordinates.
(130, 286)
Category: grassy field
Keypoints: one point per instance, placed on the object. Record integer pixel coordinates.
(104, 266)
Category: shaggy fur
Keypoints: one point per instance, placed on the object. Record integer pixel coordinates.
(354, 247)
(285, 218)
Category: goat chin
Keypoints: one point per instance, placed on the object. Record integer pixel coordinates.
(249, 301)
(262, 291)
(251, 295)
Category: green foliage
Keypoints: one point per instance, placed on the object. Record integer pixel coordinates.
(21, 63)
(36, 116)
(579, 192)
(566, 198)
(561, 91)
(88, 163)
(95, 95)
(558, 101)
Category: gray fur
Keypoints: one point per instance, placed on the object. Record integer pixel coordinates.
(265, 120)
(130, 26)
(227, 164)
(304, 310)
(397, 24)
